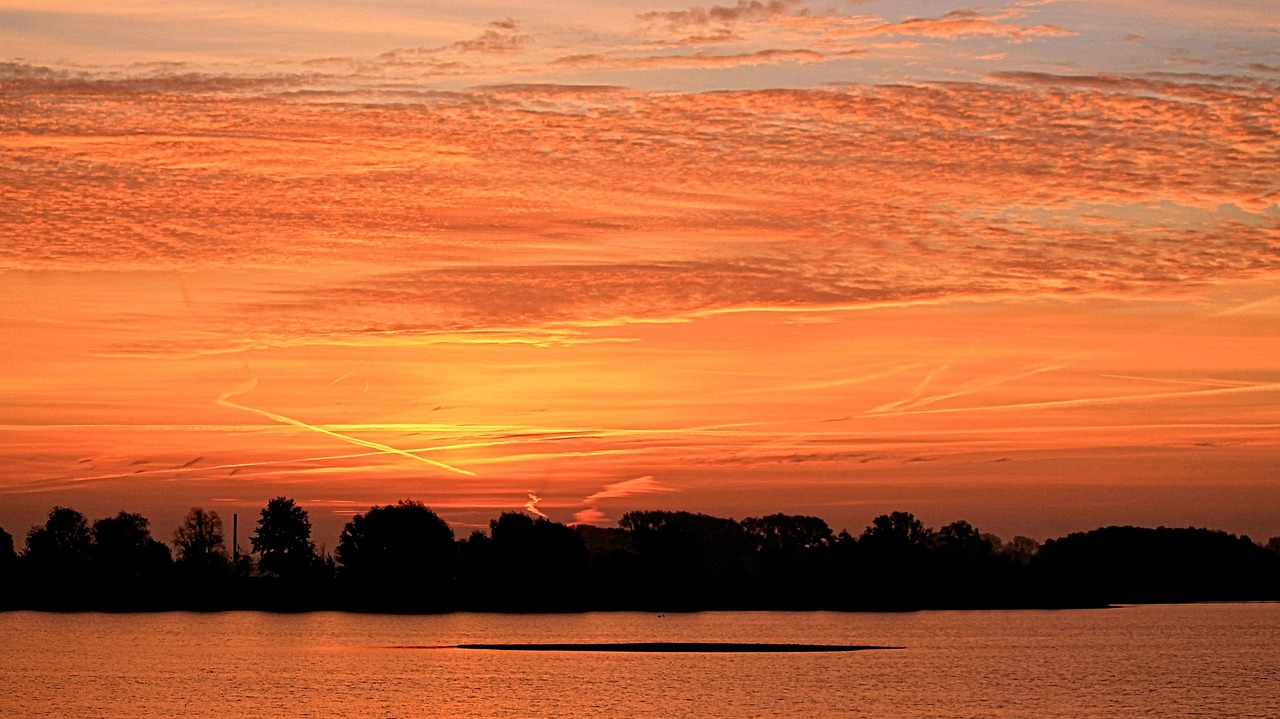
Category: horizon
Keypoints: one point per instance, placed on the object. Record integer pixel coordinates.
(237, 539)
(1016, 264)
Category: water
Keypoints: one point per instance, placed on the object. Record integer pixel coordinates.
(1145, 661)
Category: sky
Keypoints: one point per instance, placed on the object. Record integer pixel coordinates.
(1017, 264)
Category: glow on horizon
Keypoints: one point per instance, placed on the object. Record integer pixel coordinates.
(1016, 265)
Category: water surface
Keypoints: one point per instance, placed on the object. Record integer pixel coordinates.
(1145, 661)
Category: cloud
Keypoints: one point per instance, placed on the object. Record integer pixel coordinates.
(491, 41)
(781, 24)
(702, 60)
(722, 35)
(542, 90)
(967, 23)
(150, 78)
(629, 488)
(531, 506)
(433, 218)
(1184, 56)
(500, 37)
(999, 24)
(1192, 86)
(548, 294)
(592, 514)
(743, 11)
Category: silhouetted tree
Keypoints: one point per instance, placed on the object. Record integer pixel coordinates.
(283, 540)
(475, 554)
(402, 557)
(898, 532)
(546, 559)
(691, 560)
(892, 553)
(477, 567)
(961, 540)
(326, 562)
(964, 569)
(200, 544)
(8, 563)
(788, 533)
(612, 567)
(1136, 564)
(844, 574)
(61, 546)
(791, 552)
(403, 548)
(1021, 549)
(123, 548)
(604, 540)
(7, 554)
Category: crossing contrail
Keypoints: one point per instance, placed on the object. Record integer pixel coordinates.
(225, 400)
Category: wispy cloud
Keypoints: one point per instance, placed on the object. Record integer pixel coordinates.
(532, 506)
(749, 206)
(500, 37)
(629, 488)
(703, 59)
(591, 512)
(965, 23)
(743, 11)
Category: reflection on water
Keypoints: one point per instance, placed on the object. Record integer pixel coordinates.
(1148, 661)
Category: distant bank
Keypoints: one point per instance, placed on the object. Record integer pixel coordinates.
(404, 558)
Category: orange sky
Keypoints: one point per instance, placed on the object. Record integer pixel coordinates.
(1015, 265)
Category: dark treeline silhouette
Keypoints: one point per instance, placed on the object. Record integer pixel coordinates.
(404, 558)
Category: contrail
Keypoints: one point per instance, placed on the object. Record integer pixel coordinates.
(915, 394)
(225, 401)
(970, 388)
(1087, 401)
(1195, 382)
(348, 374)
(887, 371)
(914, 403)
(1239, 309)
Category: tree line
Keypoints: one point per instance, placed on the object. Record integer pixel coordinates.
(404, 558)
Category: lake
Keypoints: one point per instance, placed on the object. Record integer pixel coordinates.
(1206, 660)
